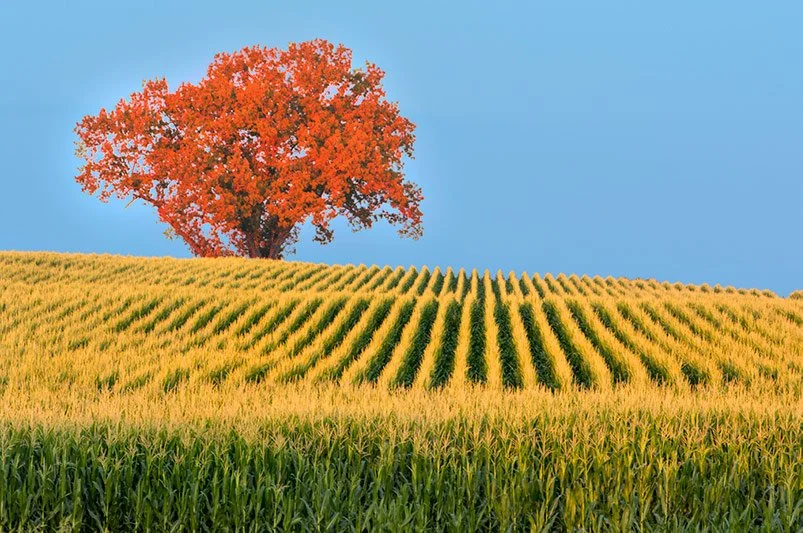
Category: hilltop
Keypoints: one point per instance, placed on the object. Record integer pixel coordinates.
(124, 323)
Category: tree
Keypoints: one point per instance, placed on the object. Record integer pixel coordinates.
(267, 140)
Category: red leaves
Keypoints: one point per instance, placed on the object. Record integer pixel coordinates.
(267, 140)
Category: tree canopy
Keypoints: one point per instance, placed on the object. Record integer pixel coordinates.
(268, 140)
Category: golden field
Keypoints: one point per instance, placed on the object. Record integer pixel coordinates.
(228, 394)
(132, 323)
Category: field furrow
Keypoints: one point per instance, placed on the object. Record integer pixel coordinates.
(128, 324)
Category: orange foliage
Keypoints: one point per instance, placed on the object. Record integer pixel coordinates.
(267, 140)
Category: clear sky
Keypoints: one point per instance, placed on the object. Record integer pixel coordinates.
(652, 139)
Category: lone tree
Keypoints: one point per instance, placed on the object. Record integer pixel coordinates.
(266, 141)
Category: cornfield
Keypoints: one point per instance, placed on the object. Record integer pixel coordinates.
(227, 394)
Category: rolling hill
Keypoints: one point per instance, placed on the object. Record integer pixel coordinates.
(125, 323)
(238, 395)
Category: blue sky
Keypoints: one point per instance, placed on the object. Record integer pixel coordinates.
(612, 138)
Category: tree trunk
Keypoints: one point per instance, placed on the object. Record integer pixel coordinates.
(272, 250)
(252, 245)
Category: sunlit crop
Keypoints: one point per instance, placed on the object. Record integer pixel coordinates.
(227, 393)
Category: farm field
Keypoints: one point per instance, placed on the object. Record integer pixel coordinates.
(211, 394)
